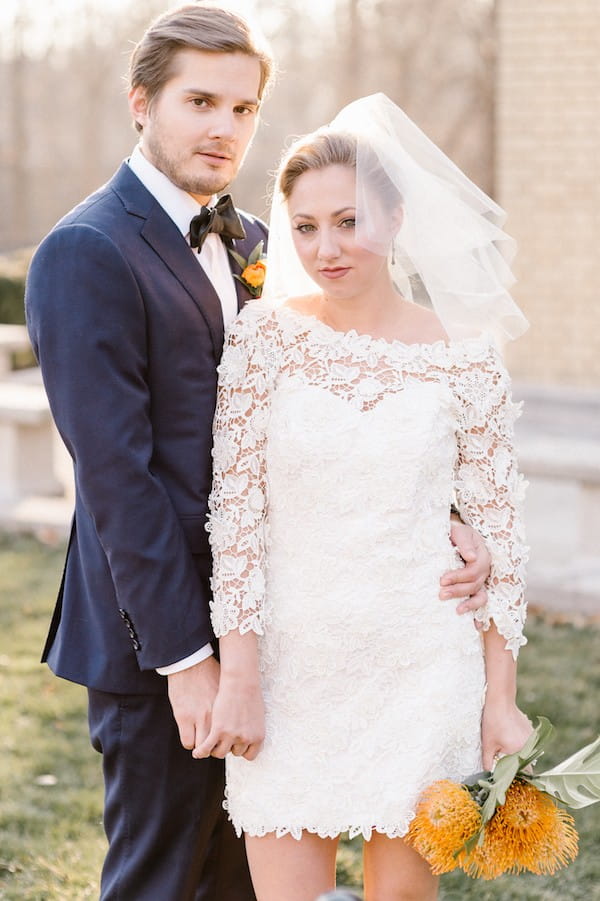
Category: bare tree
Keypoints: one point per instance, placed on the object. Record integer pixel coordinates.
(18, 206)
(67, 126)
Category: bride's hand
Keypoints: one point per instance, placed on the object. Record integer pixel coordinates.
(237, 722)
(504, 730)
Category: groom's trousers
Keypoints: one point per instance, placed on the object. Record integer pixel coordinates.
(169, 838)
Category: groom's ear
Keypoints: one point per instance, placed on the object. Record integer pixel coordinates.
(138, 106)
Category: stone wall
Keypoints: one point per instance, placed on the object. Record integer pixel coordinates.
(547, 149)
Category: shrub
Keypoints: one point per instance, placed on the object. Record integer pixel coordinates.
(13, 270)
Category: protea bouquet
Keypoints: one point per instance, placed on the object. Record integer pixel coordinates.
(507, 820)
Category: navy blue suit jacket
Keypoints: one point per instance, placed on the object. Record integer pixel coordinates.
(128, 332)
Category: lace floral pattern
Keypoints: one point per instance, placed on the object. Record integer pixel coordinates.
(265, 345)
(336, 457)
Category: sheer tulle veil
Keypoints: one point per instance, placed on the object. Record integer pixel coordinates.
(450, 251)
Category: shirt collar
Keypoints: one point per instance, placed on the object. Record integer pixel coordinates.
(178, 204)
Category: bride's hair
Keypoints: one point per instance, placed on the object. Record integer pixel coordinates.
(325, 148)
(441, 235)
(313, 152)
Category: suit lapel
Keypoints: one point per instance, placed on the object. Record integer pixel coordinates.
(175, 253)
(161, 233)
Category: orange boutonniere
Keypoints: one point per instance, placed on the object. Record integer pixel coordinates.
(254, 269)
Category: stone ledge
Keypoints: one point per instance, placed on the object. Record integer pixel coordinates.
(13, 338)
(559, 457)
(24, 404)
(49, 518)
(571, 589)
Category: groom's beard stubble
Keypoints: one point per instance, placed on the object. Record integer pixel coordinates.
(174, 167)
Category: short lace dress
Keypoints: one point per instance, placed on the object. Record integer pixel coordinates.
(336, 459)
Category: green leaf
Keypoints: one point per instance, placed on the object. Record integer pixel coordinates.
(495, 784)
(471, 843)
(238, 258)
(511, 765)
(475, 780)
(253, 291)
(256, 253)
(575, 781)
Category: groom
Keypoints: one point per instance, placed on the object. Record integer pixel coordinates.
(127, 321)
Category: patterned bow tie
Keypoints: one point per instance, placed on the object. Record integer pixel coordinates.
(220, 218)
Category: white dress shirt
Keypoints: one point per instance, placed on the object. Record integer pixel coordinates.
(181, 207)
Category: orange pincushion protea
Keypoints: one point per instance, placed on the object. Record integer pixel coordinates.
(527, 832)
(506, 819)
(254, 270)
(558, 849)
(446, 817)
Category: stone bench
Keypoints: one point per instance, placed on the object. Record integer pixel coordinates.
(558, 443)
(27, 443)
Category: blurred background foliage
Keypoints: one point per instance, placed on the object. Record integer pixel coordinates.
(65, 124)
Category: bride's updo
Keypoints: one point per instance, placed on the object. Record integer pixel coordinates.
(315, 151)
(324, 148)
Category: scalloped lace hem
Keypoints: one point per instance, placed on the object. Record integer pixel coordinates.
(332, 831)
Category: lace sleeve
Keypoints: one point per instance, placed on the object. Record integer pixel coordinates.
(490, 491)
(237, 504)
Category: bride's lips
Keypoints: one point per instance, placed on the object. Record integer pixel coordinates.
(334, 271)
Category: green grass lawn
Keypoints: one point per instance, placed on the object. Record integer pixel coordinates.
(51, 838)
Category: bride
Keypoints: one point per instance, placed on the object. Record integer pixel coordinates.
(349, 417)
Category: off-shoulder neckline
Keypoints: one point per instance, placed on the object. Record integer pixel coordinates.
(352, 337)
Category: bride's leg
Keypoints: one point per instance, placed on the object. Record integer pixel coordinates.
(285, 869)
(395, 872)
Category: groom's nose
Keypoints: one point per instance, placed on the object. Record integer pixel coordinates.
(222, 124)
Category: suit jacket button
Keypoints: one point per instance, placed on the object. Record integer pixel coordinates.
(136, 645)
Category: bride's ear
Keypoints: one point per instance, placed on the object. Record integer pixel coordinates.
(397, 219)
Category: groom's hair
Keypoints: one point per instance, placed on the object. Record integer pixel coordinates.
(197, 27)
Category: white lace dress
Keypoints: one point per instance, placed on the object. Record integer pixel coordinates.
(336, 458)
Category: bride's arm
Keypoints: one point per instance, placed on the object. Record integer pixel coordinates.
(238, 715)
(489, 492)
(237, 532)
(504, 728)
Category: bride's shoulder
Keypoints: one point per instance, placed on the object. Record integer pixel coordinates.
(306, 304)
(266, 317)
(422, 326)
(255, 316)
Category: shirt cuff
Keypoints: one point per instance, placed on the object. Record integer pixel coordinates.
(187, 662)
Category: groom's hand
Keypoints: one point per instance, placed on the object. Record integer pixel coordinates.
(468, 581)
(192, 693)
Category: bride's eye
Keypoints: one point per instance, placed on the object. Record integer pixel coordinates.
(305, 227)
(348, 223)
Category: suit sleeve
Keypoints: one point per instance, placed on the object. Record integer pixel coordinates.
(87, 323)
